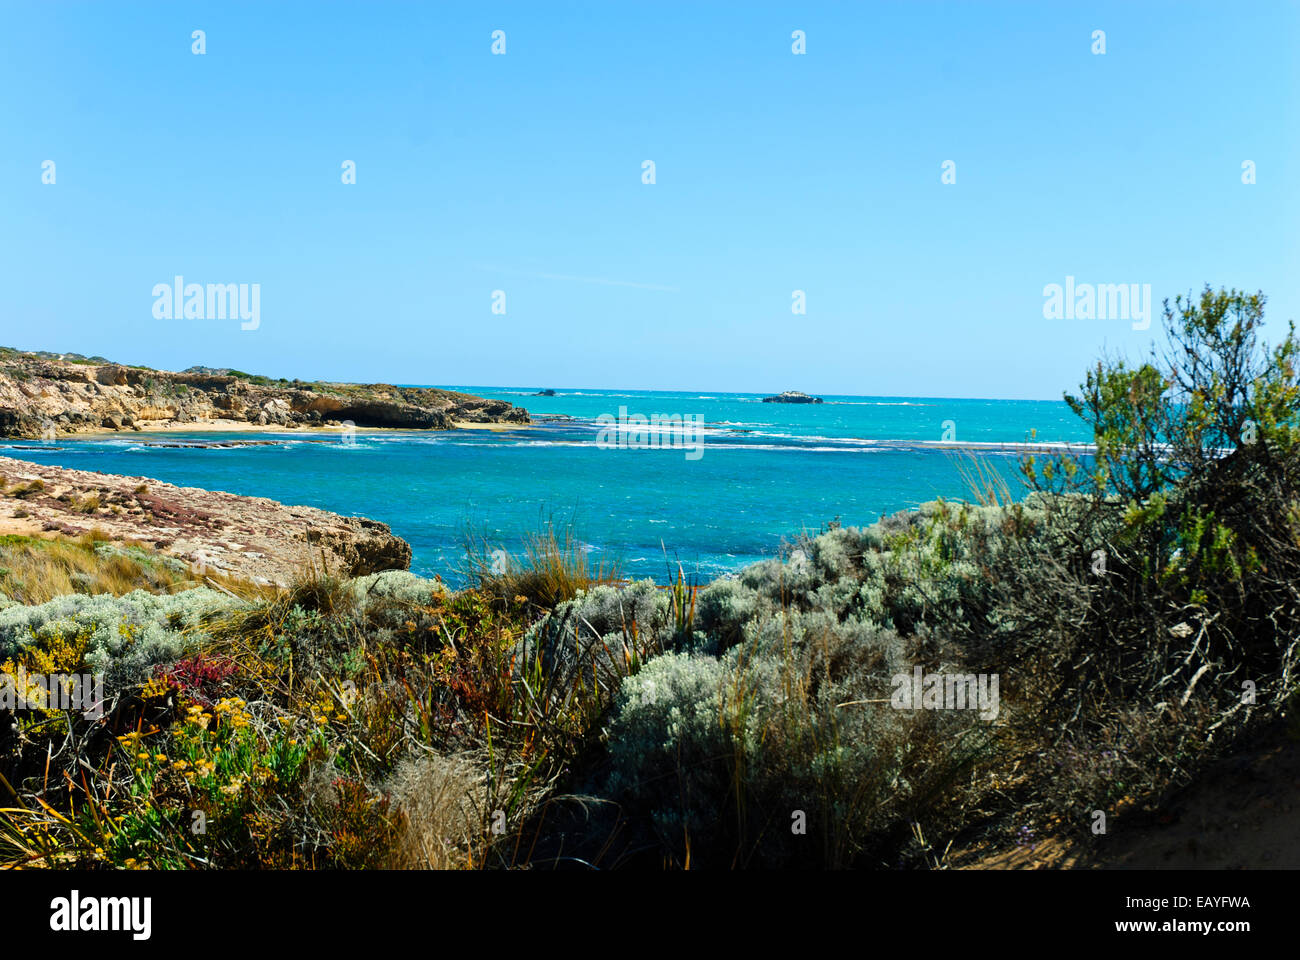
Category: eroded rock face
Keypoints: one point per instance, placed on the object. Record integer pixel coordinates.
(16, 423)
(41, 396)
(479, 410)
(386, 413)
(252, 538)
(365, 546)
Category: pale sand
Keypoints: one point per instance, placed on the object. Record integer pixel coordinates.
(24, 527)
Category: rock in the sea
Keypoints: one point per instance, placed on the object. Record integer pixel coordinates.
(792, 396)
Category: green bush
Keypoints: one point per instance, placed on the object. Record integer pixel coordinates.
(606, 630)
(122, 637)
(724, 757)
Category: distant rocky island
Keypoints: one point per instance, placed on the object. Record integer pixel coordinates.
(44, 394)
(792, 396)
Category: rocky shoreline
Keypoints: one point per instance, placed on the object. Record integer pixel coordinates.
(249, 538)
(46, 395)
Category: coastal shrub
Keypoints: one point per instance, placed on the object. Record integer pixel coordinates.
(607, 610)
(668, 743)
(778, 699)
(606, 632)
(723, 608)
(1161, 588)
(915, 570)
(722, 756)
(394, 592)
(122, 637)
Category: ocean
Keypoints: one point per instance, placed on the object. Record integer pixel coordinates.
(761, 473)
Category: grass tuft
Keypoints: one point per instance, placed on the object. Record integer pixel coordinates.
(555, 566)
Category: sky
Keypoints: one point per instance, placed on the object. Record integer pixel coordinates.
(523, 172)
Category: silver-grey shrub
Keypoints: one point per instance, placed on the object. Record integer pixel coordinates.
(666, 738)
(126, 636)
(784, 702)
(604, 629)
(399, 587)
(722, 750)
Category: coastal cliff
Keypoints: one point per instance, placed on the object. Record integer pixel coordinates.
(249, 538)
(46, 395)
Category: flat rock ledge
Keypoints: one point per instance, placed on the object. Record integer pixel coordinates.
(251, 538)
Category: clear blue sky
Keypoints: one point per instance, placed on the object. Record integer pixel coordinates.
(522, 172)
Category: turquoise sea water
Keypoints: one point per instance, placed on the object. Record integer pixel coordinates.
(766, 472)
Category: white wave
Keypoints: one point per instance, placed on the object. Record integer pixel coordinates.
(878, 403)
(789, 448)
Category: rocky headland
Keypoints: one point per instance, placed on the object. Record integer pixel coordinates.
(249, 538)
(46, 395)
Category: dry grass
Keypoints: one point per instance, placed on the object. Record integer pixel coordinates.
(35, 570)
(26, 490)
(441, 812)
(556, 565)
(87, 504)
(987, 486)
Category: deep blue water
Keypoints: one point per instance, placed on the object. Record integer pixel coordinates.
(766, 472)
